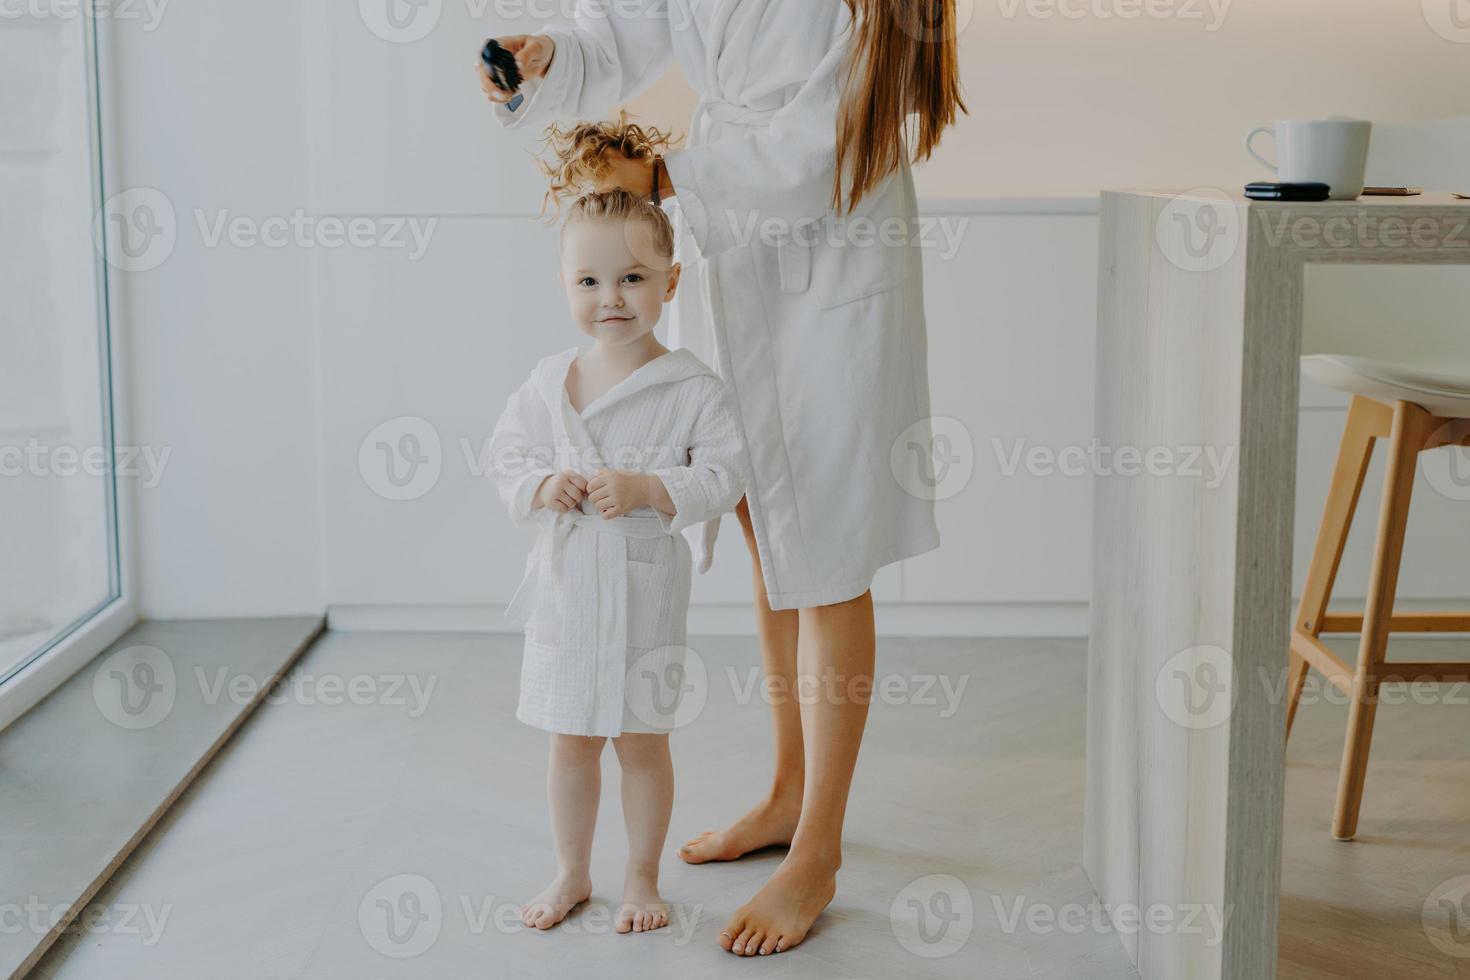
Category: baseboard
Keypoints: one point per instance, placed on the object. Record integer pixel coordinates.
(1061, 619)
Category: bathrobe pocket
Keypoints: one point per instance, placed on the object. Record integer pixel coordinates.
(650, 605)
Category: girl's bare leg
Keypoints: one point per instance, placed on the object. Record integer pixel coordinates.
(835, 663)
(648, 799)
(773, 820)
(573, 786)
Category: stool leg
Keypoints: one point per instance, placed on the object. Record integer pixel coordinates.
(1411, 426)
(1353, 455)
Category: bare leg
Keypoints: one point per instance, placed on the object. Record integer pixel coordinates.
(648, 799)
(773, 820)
(835, 662)
(573, 785)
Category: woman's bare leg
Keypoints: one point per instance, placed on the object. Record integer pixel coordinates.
(835, 667)
(774, 819)
(573, 785)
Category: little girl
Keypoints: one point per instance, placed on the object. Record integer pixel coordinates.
(612, 450)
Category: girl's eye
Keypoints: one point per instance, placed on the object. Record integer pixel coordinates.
(587, 281)
(632, 277)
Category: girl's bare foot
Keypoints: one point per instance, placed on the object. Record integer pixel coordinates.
(557, 900)
(769, 824)
(642, 909)
(782, 912)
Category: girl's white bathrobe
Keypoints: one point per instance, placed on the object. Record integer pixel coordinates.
(816, 322)
(605, 603)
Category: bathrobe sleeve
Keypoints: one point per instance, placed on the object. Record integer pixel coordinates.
(612, 52)
(522, 451)
(784, 170)
(715, 478)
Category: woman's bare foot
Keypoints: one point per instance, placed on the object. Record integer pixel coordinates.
(782, 912)
(643, 910)
(557, 900)
(767, 825)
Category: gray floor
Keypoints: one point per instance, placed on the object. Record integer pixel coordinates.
(283, 859)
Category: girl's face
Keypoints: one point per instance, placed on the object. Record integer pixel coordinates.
(616, 283)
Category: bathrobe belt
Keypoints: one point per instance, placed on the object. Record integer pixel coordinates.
(793, 252)
(590, 582)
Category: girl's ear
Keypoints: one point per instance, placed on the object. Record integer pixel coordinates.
(674, 274)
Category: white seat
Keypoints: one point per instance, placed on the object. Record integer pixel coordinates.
(1444, 391)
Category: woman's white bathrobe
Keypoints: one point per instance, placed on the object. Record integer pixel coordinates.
(818, 327)
(605, 603)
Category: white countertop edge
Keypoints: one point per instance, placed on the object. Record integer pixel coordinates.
(1010, 204)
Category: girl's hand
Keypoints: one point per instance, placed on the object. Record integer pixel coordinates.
(533, 52)
(617, 492)
(561, 492)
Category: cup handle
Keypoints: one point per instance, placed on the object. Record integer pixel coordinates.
(1250, 138)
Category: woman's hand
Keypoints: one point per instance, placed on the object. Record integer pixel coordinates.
(561, 492)
(534, 53)
(617, 492)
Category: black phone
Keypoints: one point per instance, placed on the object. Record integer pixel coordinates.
(502, 66)
(1270, 190)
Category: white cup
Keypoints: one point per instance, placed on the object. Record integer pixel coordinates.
(1328, 151)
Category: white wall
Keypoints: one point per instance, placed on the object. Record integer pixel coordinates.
(266, 370)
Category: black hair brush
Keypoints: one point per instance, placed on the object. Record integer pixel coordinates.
(502, 66)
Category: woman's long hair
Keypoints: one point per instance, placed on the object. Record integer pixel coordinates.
(905, 62)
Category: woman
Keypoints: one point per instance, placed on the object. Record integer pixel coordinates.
(807, 296)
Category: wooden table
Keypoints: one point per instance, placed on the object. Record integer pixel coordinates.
(1199, 336)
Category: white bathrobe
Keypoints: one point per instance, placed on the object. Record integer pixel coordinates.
(820, 330)
(604, 602)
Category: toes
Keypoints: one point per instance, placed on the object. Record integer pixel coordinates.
(756, 945)
(727, 938)
(638, 920)
(741, 943)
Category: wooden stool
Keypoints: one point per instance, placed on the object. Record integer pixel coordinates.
(1410, 430)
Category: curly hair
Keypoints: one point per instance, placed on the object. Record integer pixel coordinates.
(579, 153)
